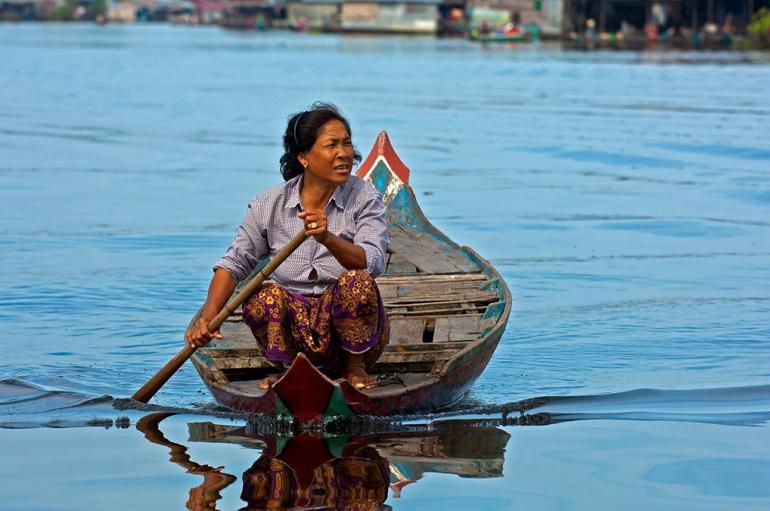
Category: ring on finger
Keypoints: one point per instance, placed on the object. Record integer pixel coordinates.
(313, 225)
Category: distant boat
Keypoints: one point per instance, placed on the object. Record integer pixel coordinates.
(448, 308)
(509, 33)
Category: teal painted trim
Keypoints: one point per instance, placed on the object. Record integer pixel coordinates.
(280, 443)
(337, 444)
(281, 410)
(338, 405)
(493, 312)
(381, 177)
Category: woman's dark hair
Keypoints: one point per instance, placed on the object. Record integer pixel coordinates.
(302, 132)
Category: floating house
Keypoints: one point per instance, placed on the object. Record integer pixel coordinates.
(365, 16)
(252, 14)
(19, 10)
(314, 15)
(660, 16)
(182, 13)
(210, 12)
(122, 12)
(390, 16)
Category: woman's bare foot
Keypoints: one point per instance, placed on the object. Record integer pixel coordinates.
(266, 383)
(355, 373)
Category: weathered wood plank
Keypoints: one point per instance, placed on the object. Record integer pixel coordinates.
(429, 277)
(244, 359)
(398, 357)
(387, 291)
(255, 361)
(245, 353)
(457, 328)
(433, 307)
(442, 299)
(397, 263)
(425, 346)
(427, 253)
(425, 256)
(407, 331)
(428, 313)
(422, 291)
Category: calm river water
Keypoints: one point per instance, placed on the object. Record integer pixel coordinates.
(625, 197)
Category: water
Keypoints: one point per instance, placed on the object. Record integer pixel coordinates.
(623, 196)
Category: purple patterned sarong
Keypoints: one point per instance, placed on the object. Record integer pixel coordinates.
(348, 317)
(356, 482)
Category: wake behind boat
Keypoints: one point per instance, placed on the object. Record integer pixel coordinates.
(447, 306)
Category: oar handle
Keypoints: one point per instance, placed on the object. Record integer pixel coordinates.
(161, 377)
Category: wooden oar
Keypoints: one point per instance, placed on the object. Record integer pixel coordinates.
(156, 382)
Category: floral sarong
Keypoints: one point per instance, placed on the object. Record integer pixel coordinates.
(355, 481)
(348, 317)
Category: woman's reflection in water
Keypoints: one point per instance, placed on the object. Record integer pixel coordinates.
(358, 480)
(303, 475)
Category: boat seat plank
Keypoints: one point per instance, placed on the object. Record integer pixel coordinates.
(437, 312)
(252, 357)
(457, 328)
(404, 357)
(432, 277)
(443, 299)
(407, 331)
(408, 378)
(423, 291)
(392, 287)
(236, 336)
(424, 346)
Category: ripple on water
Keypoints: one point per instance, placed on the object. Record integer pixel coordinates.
(757, 197)
(608, 158)
(724, 151)
(676, 228)
(725, 477)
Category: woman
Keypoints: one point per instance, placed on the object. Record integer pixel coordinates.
(323, 300)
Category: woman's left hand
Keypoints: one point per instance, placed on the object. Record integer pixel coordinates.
(315, 224)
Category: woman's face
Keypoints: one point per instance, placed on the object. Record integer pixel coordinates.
(331, 157)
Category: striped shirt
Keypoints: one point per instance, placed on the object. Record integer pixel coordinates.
(355, 212)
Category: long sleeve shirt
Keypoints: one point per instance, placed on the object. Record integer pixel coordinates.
(355, 212)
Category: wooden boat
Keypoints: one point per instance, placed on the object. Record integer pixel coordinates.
(513, 36)
(526, 33)
(447, 306)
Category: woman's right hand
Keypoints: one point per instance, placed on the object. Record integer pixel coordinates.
(198, 334)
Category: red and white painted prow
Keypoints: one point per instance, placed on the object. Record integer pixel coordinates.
(383, 150)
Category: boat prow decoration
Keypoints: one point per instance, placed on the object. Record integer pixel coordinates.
(384, 169)
(306, 393)
(447, 307)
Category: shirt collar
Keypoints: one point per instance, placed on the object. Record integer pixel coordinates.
(293, 186)
(339, 195)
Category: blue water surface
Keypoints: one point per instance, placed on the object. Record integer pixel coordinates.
(625, 198)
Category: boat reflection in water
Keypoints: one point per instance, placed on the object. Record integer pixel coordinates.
(334, 472)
